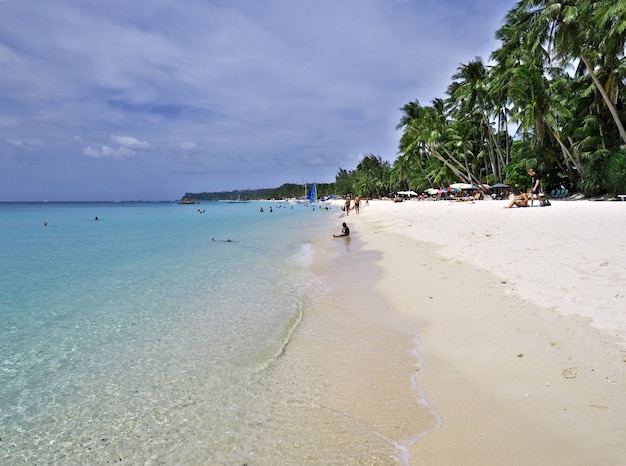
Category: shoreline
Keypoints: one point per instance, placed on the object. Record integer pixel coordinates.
(514, 382)
(349, 374)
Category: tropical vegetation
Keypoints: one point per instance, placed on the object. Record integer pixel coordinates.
(287, 190)
(552, 99)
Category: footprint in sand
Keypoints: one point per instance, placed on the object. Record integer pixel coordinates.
(569, 373)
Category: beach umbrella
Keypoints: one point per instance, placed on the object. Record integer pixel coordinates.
(462, 186)
(499, 185)
(407, 193)
(432, 191)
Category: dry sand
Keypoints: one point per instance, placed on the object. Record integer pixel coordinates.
(521, 315)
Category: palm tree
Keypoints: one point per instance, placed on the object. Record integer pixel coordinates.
(470, 91)
(410, 112)
(402, 171)
(372, 176)
(568, 29)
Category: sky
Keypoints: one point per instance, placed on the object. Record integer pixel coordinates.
(150, 99)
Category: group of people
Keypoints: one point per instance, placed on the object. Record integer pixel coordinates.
(535, 193)
(356, 206)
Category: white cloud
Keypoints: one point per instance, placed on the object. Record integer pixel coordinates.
(29, 143)
(188, 145)
(106, 152)
(130, 142)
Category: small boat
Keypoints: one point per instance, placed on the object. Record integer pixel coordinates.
(239, 200)
(186, 200)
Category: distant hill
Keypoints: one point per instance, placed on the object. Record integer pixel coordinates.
(288, 190)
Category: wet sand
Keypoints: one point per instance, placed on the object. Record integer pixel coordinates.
(348, 374)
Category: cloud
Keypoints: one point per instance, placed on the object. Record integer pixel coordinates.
(29, 144)
(224, 94)
(106, 152)
(132, 143)
(188, 146)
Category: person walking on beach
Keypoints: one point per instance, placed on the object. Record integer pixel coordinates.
(535, 186)
(357, 202)
(345, 231)
(347, 207)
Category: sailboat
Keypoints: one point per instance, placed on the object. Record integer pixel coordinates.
(312, 194)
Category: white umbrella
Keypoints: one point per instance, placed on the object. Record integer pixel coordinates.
(462, 186)
(407, 193)
(432, 191)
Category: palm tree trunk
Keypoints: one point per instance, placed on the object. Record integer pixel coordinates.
(606, 98)
(469, 178)
(492, 139)
(442, 159)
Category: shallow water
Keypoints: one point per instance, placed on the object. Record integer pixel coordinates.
(137, 338)
(137, 332)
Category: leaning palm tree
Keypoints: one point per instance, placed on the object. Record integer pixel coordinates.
(572, 29)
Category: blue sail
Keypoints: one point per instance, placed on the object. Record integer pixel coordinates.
(312, 195)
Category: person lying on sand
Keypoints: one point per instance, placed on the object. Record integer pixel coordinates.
(523, 202)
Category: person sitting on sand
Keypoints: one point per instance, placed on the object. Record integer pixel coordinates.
(523, 202)
(345, 231)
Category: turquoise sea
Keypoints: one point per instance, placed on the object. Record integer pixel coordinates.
(137, 338)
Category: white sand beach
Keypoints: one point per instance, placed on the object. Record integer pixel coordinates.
(570, 257)
(521, 316)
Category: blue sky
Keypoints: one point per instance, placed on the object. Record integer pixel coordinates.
(149, 99)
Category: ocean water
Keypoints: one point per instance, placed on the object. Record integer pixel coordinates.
(143, 337)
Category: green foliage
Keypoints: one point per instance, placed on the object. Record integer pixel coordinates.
(569, 126)
(616, 172)
(605, 174)
(371, 178)
(287, 190)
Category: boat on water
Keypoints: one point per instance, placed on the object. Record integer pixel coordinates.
(186, 200)
(239, 200)
(312, 194)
